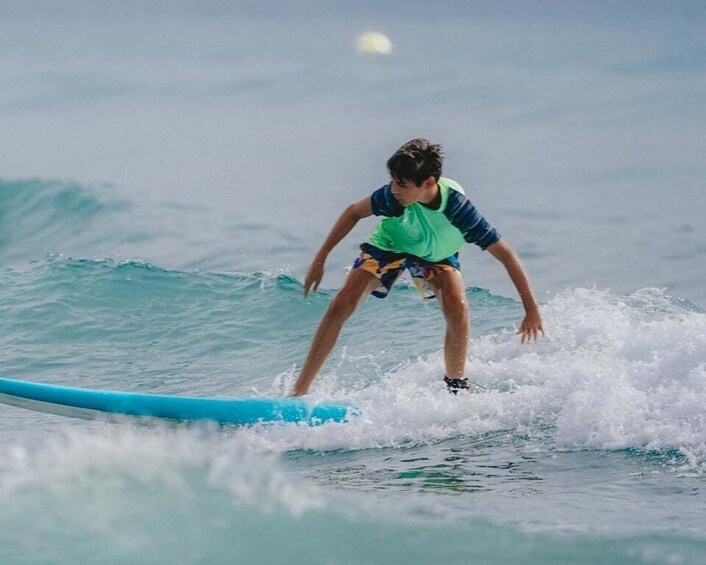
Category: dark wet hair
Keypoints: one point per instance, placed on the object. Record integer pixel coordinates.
(416, 161)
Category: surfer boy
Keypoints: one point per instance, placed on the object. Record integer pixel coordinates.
(427, 219)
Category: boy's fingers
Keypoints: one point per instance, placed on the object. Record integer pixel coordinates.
(311, 285)
(529, 334)
(307, 287)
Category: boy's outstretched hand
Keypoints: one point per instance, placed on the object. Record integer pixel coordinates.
(531, 325)
(314, 276)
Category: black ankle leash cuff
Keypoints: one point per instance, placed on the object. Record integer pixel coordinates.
(454, 385)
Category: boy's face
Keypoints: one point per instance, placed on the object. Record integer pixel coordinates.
(406, 192)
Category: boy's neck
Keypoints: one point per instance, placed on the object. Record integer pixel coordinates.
(434, 198)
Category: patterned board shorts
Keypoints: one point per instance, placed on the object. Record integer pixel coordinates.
(387, 266)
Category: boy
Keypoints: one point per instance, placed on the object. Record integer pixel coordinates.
(428, 219)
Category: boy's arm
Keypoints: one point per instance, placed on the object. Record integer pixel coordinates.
(344, 224)
(532, 324)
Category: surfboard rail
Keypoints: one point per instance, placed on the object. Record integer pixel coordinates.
(109, 405)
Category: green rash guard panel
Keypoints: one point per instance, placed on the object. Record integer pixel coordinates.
(432, 235)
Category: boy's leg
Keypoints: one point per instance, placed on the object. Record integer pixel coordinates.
(449, 289)
(357, 286)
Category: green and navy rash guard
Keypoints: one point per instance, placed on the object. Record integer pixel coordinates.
(429, 234)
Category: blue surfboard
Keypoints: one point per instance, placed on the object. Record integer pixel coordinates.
(112, 405)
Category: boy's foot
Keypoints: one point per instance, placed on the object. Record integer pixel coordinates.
(454, 385)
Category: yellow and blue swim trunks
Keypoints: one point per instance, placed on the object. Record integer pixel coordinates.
(387, 266)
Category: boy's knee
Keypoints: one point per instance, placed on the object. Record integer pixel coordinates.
(343, 305)
(455, 308)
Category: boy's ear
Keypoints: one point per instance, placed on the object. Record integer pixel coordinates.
(430, 182)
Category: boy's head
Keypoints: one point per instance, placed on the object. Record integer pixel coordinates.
(415, 162)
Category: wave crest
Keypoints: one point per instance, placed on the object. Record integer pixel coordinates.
(38, 216)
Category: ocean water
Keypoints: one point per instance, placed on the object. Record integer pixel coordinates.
(167, 173)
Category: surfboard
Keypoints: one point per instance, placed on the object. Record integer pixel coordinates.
(110, 405)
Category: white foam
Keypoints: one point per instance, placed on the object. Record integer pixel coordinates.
(72, 459)
(613, 373)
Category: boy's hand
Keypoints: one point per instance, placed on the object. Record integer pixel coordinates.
(314, 276)
(531, 325)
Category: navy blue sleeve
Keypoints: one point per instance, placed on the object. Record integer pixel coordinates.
(474, 227)
(384, 204)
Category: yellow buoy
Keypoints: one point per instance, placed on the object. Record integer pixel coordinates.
(374, 42)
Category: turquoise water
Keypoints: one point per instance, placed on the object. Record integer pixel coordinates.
(167, 174)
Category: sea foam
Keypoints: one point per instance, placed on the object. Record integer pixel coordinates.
(613, 372)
